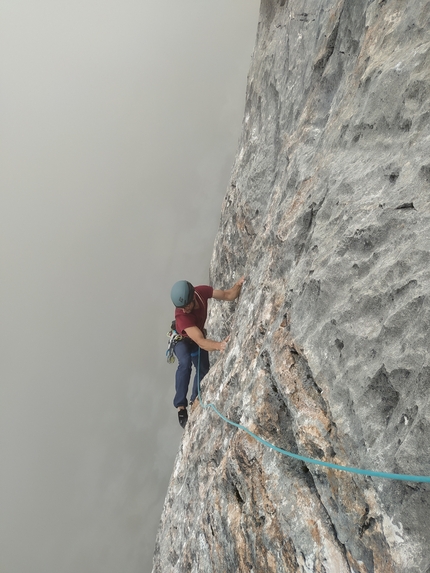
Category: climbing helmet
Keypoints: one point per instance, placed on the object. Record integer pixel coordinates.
(182, 293)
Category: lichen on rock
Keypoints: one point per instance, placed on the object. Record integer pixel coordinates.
(328, 217)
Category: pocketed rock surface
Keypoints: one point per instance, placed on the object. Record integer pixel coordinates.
(328, 217)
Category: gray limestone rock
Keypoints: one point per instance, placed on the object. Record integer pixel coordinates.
(328, 217)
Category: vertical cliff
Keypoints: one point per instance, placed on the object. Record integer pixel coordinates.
(328, 217)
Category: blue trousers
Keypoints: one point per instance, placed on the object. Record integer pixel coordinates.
(187, 353)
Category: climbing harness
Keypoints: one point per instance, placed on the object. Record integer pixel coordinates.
(174, 338)
(402, 477)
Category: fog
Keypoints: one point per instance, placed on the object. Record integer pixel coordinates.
(118, 126)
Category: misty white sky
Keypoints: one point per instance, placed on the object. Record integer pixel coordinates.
(118, 126)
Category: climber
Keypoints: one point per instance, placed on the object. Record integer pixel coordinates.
(190, 315)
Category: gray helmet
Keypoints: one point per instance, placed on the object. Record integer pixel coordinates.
(182, 293)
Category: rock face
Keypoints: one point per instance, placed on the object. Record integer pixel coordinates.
(328, 217)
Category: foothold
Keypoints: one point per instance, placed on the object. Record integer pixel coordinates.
(425, 172)
(406, 206)
(237, 494)
(366, 522)
(405, 125)
(394, 176)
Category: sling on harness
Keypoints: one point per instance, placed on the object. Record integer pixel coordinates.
(174, 338)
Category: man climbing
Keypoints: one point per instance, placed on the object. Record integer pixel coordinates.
(190, 315)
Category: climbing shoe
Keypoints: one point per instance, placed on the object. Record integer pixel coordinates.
(183, 417)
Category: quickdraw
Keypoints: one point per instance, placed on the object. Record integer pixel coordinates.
(174, 338)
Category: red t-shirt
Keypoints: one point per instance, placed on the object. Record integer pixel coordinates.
(197, 317)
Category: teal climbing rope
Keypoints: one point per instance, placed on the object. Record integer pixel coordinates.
(402, 477)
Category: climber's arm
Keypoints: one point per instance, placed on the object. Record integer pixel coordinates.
(196, 334)
(231, 293)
